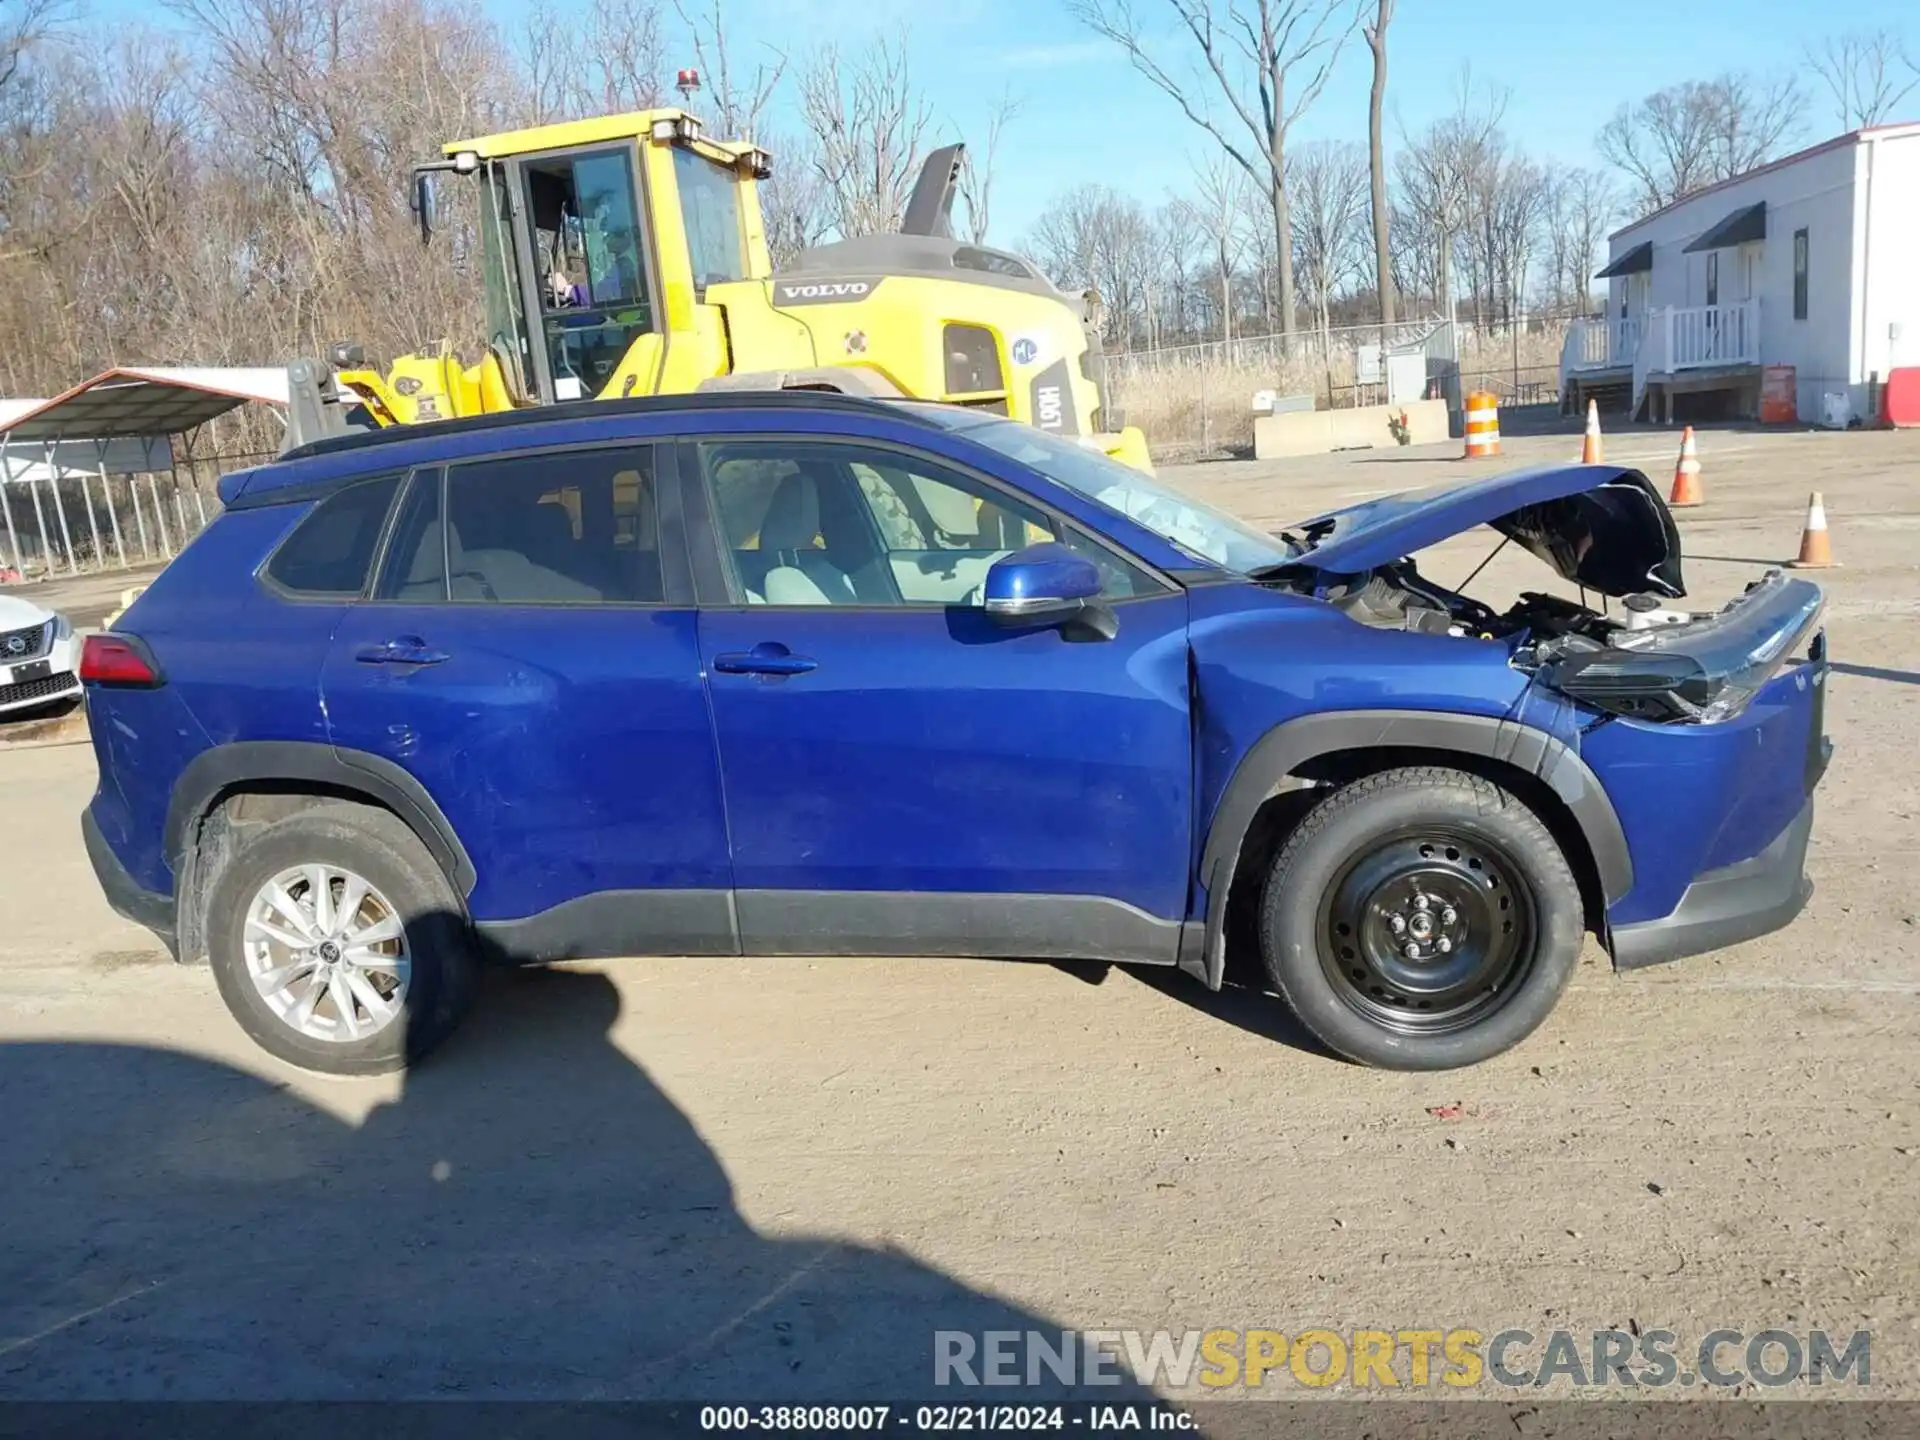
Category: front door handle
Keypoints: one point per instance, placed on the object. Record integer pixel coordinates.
(769, 657)
(402, 650)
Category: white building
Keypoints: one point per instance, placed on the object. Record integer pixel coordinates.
(1811, 262)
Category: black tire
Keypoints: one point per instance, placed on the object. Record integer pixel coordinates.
(376, 845)
(1412, 849)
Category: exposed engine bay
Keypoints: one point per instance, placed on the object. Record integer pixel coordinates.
(1641, 659)
(1399, 597)
(1602, 528)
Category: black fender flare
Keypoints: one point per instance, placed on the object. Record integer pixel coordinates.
(1268, 769)
(294, 762)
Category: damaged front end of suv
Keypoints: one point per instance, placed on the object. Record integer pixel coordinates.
(1704, 729)
(1606, 531)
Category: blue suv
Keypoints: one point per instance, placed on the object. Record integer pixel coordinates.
(797, 673)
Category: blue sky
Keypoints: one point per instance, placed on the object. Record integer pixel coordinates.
(1087, 116)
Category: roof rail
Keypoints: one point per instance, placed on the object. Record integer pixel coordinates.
(699, 400)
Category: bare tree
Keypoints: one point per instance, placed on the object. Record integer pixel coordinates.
(1510, 200)
(608, 59)
(1415, 238)
(1062, 237)
(1862, 72)
(1329, 182)
(740, 95)
(553, 57)
(1177, 241)
(1664, 144)
(1092, 237)
(1687, 136)
(869, 124)
(1578, 208)
(1376, 34)
(1440, 169)
(976, 171)
(1267, 59)
(25, 24)
(794, 208)
(1755, 118)
(1217, 210)
(628, 54)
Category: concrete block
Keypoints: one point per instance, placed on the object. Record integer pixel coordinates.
(1366, 427)
(1300, 432)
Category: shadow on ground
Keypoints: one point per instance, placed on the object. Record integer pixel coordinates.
(533, 1219)
(1249, 1004)
(1738, 559)
(1875, 672)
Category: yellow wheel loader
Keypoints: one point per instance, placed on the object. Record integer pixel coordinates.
(625, 256)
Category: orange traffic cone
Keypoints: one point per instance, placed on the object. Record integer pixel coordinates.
(1686, 475)
(1590, 451)
(1816, 552)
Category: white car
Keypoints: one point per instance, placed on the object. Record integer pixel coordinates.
(39, 656)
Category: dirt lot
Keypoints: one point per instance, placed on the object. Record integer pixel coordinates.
(735, 1177)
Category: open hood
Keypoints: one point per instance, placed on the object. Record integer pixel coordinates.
(1603, 527)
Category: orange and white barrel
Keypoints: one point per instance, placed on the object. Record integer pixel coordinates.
(1483, 425)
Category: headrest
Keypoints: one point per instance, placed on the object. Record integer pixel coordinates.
(792, 521)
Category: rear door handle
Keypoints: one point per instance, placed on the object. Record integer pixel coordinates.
(767, 658)
(404, 650)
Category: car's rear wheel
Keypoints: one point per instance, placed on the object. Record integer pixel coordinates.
(337, 942)
(1421, 919)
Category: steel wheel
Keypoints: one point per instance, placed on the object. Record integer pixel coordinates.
(327, 953)
(1427, 931)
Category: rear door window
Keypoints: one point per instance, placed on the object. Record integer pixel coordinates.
(576, 528)
(329, 552)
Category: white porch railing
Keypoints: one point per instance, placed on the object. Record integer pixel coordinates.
(1693, 337)
(1598, 344)
(1650, 356)
(1714, 335)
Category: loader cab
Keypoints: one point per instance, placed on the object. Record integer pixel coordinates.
(597, 254)
(568, 270)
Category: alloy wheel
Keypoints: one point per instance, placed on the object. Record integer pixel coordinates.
(327, 953)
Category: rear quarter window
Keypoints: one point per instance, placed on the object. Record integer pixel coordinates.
(330, 551)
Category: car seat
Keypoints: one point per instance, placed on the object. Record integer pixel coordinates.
(801, 574)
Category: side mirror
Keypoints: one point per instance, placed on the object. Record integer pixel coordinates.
(1040, 584)
(423, 203)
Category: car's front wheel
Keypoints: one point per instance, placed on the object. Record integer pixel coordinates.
(1421, 919)
(337, 942)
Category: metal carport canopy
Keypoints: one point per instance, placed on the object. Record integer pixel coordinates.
(129, 401)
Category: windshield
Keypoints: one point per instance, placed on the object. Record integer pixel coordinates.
(1205, 533)
(710, 202)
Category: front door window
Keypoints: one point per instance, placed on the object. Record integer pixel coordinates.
(834, 524)
(591, 252)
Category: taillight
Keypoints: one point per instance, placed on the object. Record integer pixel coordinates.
(121, 661)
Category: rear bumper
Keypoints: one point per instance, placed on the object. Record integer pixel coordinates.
(1723, 907)
(123, 892)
